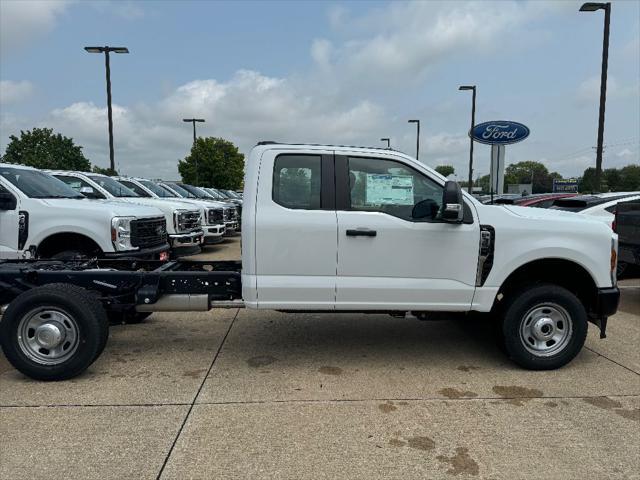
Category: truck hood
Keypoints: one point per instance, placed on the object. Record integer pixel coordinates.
(167, 206)
(111, 208)
(551, 215)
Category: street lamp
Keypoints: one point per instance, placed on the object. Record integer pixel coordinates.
(417, 122)
(193, 121)
(473, 123)
(388, 142)
(592, 7)
(106, 50)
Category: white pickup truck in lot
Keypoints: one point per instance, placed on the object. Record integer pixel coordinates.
(41, 217)
(184, 229)
(341, 229)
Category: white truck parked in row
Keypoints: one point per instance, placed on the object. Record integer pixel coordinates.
(342, 229)
(212, 213)
(41, 217)
(183, 220)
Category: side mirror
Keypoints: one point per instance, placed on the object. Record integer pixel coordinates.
(7, 201)
(90, 192)
(452, 206)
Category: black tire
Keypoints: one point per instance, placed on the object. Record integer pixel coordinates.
(520, 321)
(83, 308)
(127, 318)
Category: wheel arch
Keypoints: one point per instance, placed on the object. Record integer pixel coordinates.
(559, 271)
(59, 242)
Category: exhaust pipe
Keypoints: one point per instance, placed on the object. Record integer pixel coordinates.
(177, 303)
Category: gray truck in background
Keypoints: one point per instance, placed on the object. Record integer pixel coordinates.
(627, 226)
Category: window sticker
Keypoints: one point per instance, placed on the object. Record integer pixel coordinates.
(389, 189)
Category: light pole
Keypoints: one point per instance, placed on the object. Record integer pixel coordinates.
(193, 121)
(473, 123)
(417, 122)
(388, 142)
(106, 50)
(592, 7)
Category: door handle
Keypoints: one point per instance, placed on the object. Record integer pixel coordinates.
(361, 233)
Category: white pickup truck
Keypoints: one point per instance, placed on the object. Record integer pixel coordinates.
(183, 220)
(346, 229)
(41, 217)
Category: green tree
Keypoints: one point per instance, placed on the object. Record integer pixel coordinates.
(219, 164)
(587, 183)
(483, 182)
(629, 178)
(612, 177)
(104, 171)
(41, 148)
(530, 172)
(445, 170)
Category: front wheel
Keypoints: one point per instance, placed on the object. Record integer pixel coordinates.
(544, 327)
(53, 332)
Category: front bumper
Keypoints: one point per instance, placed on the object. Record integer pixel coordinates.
(231, 227)
(178, 240)
(151, 253)
(607, 301)
(606, 304)
(213, 234)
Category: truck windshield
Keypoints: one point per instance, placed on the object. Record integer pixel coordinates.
(35, 184)
(114, 188)
(136, 188)
(197, 192)
(157, 189)
(181, 191)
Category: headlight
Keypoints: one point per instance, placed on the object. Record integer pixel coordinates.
(121, 233)
(214, 216)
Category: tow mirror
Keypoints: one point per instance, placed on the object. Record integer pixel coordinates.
(7, 201)
(452, 206)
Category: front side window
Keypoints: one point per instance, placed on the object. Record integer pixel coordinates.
(114, 188)
(78, 183)
(297, 181)
(141, 192)
(158, 190)
(393, 188)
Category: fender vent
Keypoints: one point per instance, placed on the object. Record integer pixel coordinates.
(485, 257)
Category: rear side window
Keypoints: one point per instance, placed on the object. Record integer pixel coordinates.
(297, 181)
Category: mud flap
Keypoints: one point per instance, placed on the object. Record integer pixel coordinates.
(601, 323)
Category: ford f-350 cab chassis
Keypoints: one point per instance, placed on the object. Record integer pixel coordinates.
(55, 315)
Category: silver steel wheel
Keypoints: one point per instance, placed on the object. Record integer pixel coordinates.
(48, 336)
(546, 329)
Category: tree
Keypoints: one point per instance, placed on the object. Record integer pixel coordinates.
(445, 170)
(104, 171)
(218, 162)
(530, 172)
(483, 182)
(41, 148)
(629, 178)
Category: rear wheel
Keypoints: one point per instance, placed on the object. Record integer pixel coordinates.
(544, 327)
(54, 332)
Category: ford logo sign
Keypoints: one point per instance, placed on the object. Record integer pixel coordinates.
(499, 132)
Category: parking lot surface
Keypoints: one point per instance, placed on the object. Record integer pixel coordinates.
(253, 394)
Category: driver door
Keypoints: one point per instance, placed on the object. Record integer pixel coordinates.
(387, 258)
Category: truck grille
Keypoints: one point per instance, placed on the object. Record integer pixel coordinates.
(148, 232)
(215, 216)
(188, 222)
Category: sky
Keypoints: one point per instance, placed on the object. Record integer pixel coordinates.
(322, 72)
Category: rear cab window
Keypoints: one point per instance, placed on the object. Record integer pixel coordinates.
(297, 181)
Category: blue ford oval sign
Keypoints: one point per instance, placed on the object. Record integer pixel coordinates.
(500, 132)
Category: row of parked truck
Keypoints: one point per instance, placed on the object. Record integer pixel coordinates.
(73, 215)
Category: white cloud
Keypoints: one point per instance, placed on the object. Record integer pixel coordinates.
(22, 21)
(14, 92)
(588, 92)
(406, 39)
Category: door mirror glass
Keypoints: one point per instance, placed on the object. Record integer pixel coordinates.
(452, 206)
(7, 201)
(425, 209)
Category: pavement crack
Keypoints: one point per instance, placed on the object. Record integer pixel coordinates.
(193, 402)
(612, 360)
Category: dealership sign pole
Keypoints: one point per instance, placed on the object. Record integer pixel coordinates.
(498, 134)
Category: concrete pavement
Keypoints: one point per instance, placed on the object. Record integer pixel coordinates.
(246, 394)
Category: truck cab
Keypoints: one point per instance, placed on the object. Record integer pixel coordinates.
(41, 217)
(183, 221)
